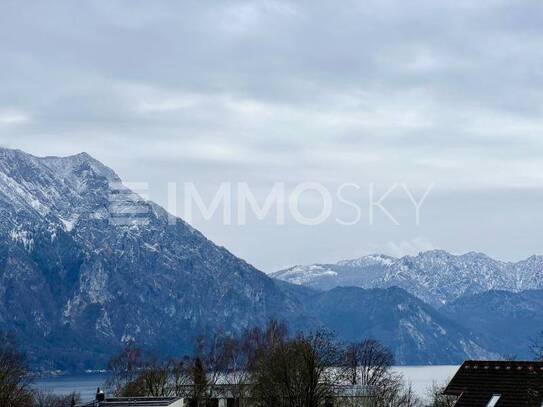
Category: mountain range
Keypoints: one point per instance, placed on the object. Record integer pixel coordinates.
(498, 304)
(436, 276)
(87, 265)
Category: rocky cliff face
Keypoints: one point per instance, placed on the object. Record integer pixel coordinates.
(85, 265)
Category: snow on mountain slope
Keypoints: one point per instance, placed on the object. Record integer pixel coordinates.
(435, 276)
(308, 274)
(369, 260)
(358, 272)
(85, 265)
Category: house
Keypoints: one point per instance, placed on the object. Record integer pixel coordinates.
(497, 384)
(102, 401)
(136, 402)
(223, 396)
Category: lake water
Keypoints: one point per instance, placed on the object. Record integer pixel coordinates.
(85, 384)
(420, 377)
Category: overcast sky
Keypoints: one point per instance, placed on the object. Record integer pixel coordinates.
(424, 93)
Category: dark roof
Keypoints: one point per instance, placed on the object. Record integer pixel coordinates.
(133, 401)
(518, 383)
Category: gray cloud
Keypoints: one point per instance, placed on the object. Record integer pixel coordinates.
(263, 91)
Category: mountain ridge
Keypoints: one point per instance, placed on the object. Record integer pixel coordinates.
(87, 265)
(435, 276)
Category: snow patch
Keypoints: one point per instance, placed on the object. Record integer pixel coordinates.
(153, 248)
(127, 338)
(302, 274)
(24, 237)
(69, 223)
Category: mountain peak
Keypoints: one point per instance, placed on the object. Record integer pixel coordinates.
(66, 166)
(368, 260)
(92, 263)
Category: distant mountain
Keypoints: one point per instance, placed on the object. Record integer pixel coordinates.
(360, 272)
(435, 276)
(86, 265)
(503, 321)
(413, 330)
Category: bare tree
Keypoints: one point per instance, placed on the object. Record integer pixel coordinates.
(267, 368)
(408, 398)
(155, 379)
(297, 372)
(393, 392)
(368, 362)
(207, 367)
(259, 340)
(236, 353)
(136, 376)
(44, 398)
(15, 379)
(438, 399)
(125, 369)
(180, 377)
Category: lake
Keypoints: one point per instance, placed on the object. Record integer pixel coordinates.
(85, 384)
(420, 377)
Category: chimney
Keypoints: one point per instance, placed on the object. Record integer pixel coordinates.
(100, 396)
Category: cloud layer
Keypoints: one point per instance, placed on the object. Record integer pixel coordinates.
(379, 92)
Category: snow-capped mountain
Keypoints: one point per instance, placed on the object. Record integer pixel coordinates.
(86, 265)
(359, 272)
(435, 276)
